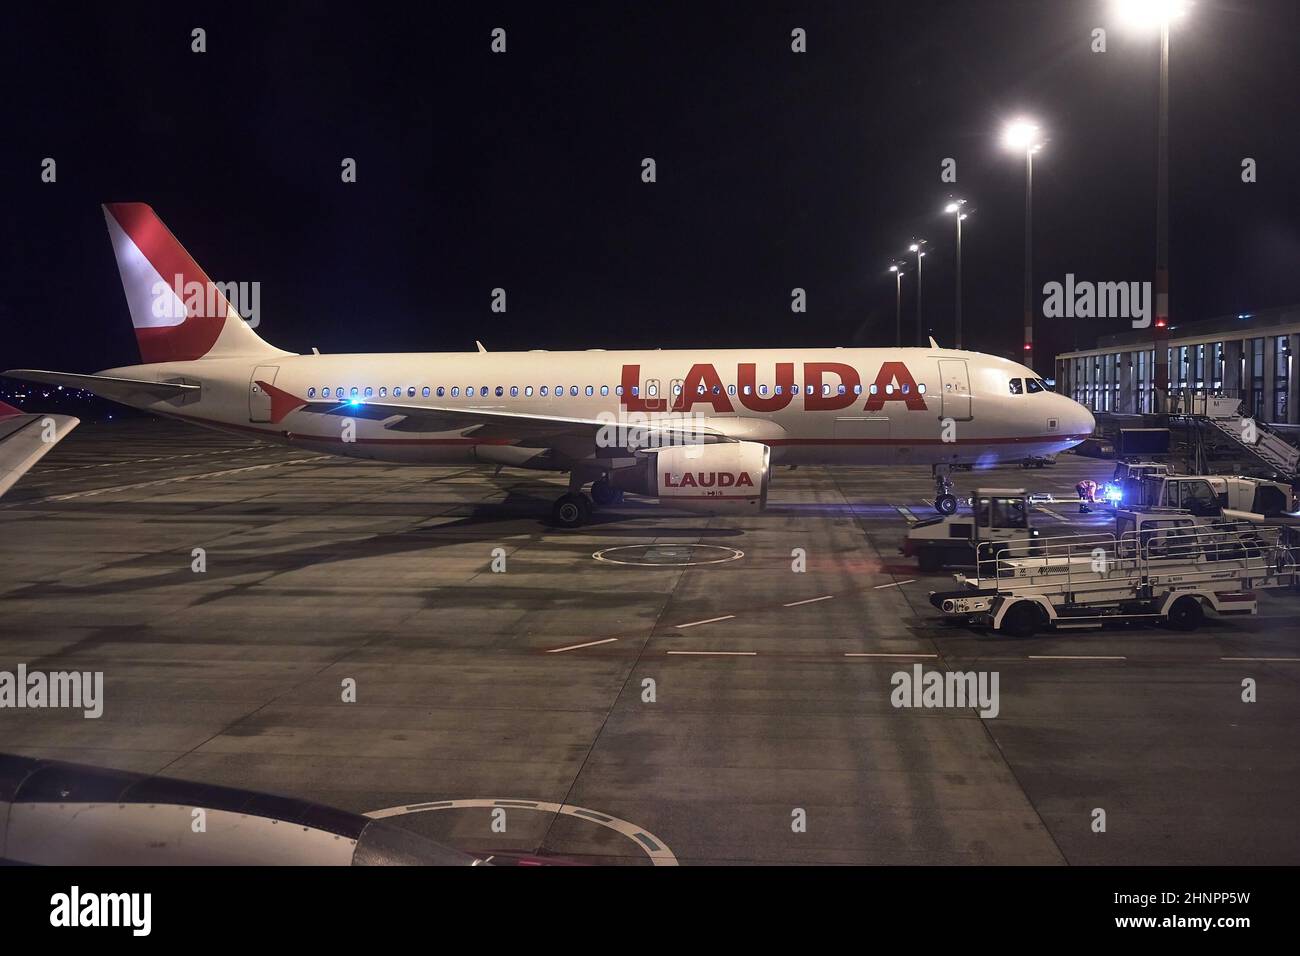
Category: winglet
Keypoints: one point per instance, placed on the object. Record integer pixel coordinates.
(25, 442)
(480, 346)
(934, 344)
(282, 403)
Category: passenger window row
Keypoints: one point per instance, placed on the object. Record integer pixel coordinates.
(344, 393)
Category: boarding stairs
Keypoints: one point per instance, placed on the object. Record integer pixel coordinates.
(1221, 415)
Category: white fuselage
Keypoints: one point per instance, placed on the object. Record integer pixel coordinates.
(867, 406)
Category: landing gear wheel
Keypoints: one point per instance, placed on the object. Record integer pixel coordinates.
(945, 502)
(1186, 614)
(1022, 619)
(572, 510)
(604, 494)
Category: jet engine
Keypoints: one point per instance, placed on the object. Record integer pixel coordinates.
(723, 478)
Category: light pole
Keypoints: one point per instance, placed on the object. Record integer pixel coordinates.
(1023, 136)
(954, 209)
(1148, 15)
(897, 270)
(917, 247)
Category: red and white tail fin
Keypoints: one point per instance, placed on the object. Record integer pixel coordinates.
(178, 312)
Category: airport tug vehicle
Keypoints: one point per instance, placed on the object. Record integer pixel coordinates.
(998, 515)
(1165, 565)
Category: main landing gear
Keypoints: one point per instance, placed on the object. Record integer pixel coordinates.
(945, 502)
(573, 509)
(604, 494)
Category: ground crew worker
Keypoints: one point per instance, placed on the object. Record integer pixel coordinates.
(1087, 489)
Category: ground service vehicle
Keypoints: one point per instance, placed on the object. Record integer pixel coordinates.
(1165, 566)
(1258, 497)
(1249, 499)
(997, 516)
(1112, 492)
(1038, 461)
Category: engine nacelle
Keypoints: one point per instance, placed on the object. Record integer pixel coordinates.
(723, 478)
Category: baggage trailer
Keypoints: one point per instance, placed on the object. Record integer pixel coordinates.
(1166, 566)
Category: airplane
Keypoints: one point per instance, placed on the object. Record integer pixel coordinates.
(699, 429)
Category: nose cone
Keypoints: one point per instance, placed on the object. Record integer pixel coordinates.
(1076, 420)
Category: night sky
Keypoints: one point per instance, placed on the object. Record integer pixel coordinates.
(523, 170)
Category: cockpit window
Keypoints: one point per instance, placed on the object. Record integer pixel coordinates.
(1017, 386)
(1033, 385)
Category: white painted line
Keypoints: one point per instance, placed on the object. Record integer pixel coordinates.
(165, 481)
(574, 647)
(1263, 660)
(730, 554)
(651, 845)
(865, 654)
(719, 653)
(712, 620)
(1072, 657)
(894, 584)
(824, 597)
(1051, 512)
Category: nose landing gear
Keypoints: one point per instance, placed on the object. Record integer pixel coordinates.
(945, 502)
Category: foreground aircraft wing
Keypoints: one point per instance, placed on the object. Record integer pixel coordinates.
(488, 423)
(105, 386)
(24, 440)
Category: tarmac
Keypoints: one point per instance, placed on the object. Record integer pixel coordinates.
(654, 688)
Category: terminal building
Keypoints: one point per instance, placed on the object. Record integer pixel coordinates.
(1247, 356)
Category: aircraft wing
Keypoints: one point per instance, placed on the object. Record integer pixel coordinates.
(24, 440)
(491, 422)
(122, 390)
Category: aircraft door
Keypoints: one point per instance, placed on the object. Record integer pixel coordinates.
(651, 398)
(259, 403)
(955, 382)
